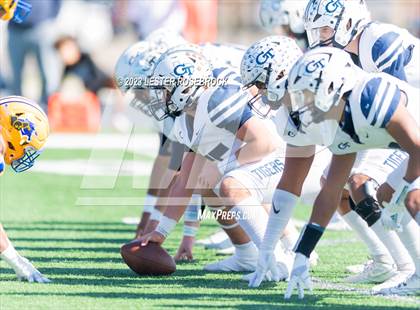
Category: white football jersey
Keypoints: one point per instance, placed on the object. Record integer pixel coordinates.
(220, 112)
(390, 49)
(368, 110)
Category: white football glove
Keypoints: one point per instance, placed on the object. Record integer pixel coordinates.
(27, 272)
(300, 277)
(392, 215)
(266, 269)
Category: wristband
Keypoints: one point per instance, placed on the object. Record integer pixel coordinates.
(414, 185)
(10, 255)
(190, 231)
(149, 203)
(166, 225)
(193, 209)
(156, 215)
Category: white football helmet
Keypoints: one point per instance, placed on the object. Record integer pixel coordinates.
(274, 13)
(165, 38)
(133, 63)
(346, 18)
(266, 64)
(317, 83)
(181, 73)
(132, 72)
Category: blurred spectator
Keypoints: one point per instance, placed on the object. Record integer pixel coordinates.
(35, 35)
(77, 63)
(147, 16)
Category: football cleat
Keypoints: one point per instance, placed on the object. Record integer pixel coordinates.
(233, 263)
(358, 268)
(409, 287)
(377, 272)
(227, 251)
(213, 241)
(400, 277)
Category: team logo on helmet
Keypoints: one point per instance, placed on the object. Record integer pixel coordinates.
(264, 56)
(317, 64)
(333, 5)
(26, 128)
(182, 69)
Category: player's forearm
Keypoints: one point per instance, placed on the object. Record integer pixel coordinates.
(413, 169)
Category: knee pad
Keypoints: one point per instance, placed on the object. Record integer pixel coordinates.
(368, 209)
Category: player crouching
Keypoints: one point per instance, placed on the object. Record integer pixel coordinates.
(24, 131)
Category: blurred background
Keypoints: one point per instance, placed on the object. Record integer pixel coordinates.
(63, 55)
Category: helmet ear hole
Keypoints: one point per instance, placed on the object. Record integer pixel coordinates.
(349, 24)
(331, 88)
(10, 145)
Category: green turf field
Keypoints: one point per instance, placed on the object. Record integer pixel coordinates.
(77, 247)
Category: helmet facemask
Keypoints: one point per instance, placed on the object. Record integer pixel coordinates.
(345, 19)
(266, 65)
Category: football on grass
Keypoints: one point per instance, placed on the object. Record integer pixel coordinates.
(151, 259)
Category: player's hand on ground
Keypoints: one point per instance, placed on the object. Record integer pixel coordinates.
(25, 271)
(139, 232)
(266, 269)
(153, 236)
(299, 277)
(184, 252)
(391, 216)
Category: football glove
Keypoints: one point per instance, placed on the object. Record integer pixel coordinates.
(300, 277)
(266, 269)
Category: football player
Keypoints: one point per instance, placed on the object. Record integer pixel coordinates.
(285, 17)
(333, 102)
(216, 122)
(266, 77)
(375, 47)
(135, 64)
(24, 130)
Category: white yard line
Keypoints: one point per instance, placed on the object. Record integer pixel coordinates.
(139, 143)
(346, 288)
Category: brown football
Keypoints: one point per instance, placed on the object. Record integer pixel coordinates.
(151, 259)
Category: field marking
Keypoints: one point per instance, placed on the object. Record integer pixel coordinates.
(133, 142)
(346, 288)
(84, 167)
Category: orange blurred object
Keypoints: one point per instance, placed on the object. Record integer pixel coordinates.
(82, 114)
(201, 25)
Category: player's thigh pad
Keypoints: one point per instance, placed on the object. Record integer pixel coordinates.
(260, 178)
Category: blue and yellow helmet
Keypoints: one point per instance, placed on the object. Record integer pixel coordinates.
(15, 10)
(24, 129)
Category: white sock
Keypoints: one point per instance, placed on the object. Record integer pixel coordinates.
(252, 217)
(410, 237)
(280, 214)
(289, 240)
(393, 244)
(246, 250)
(374, 245)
